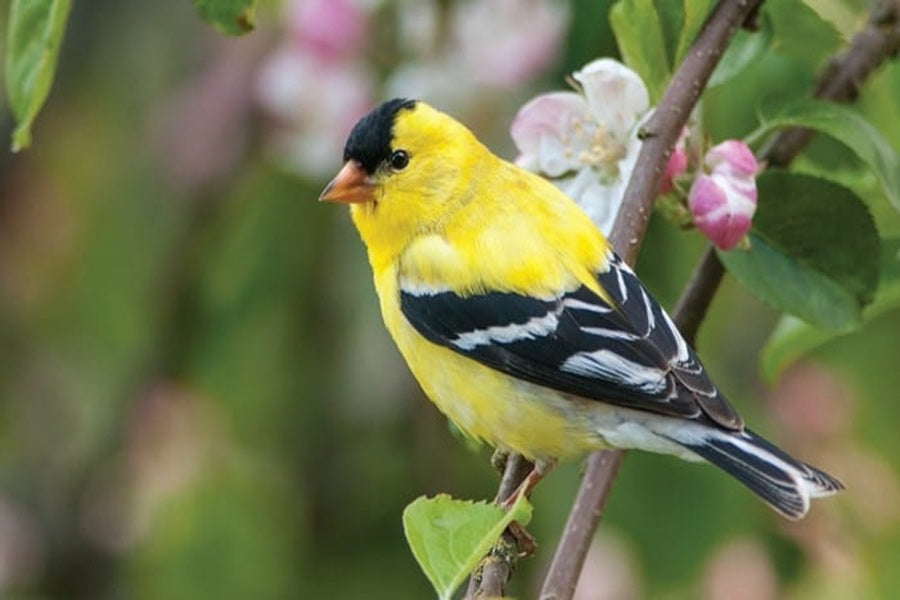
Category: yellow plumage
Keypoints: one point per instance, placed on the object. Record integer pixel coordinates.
(520, 323)
(481, 225)
(468, 220)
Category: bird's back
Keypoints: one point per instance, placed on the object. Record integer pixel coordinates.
(515, 232)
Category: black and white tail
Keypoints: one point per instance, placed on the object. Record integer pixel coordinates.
(783, 482)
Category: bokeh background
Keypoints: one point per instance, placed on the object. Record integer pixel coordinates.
(198, 398)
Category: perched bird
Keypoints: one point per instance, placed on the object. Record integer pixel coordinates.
(520, 322)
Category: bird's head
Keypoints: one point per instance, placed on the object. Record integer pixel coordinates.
(406, 168)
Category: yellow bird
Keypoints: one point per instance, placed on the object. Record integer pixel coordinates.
(519, 321)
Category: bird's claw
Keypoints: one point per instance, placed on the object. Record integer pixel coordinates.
(524, 539)
(498, 460)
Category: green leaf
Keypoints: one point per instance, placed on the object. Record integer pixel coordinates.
(671, 21)
(695, 13)
(36, 29)
(231, 17)
(845, 126)
(800, 33)
(792, 338)
(641, 40)
(746, 48)
(814, 250)
(449, 537)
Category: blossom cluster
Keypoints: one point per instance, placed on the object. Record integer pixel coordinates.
(587, 143)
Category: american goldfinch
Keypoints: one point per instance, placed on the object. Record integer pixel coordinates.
(520, 322)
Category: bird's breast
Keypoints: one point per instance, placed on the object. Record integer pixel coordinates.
(486, 404)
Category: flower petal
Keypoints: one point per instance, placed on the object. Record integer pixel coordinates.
(677, 164)
(600, 201)
(540, 131)
(732, 157)
(723, 207)
(616, 95)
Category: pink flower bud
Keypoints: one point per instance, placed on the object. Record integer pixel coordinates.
(677, 163)
(733, 158)
(724, 201)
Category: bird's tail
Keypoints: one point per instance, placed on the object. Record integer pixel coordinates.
(786, 484)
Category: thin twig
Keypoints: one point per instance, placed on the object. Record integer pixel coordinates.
(698, 294)
(664, 127)
(661, 132)
(844, 75)
(495, 571)
(840, 82)
(596, 483)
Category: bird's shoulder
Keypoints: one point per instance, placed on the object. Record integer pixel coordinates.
(516, 233)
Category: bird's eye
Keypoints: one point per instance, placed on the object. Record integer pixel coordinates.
(399, 160)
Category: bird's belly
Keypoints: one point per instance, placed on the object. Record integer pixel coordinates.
(509, 413)
(505, 412)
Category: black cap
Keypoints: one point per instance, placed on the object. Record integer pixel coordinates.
(370, 141)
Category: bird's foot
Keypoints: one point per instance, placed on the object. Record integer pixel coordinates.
(524, 540)
(531, 480)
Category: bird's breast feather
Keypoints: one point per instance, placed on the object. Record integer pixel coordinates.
(620, 347)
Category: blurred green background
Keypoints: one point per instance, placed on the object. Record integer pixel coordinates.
(197, 395)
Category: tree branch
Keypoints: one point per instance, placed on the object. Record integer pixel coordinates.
(664, 127)
(698, 294)
(496, 569)
(839, 82)
(842, 78)
(661, 132)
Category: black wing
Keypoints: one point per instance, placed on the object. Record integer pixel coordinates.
(627, 353)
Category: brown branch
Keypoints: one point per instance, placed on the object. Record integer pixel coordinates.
(596, 483)
(495, 571)
(842, 78)
(663, 129)
(698, 294)
(840, 82)
(661, 132)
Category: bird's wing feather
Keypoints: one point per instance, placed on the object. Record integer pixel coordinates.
(625, 351)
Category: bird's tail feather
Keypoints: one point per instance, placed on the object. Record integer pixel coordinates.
(783, 482)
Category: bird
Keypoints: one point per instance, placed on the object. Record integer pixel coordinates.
(520, 322)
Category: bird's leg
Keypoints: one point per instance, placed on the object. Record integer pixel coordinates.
(541, 468)
(524, 539)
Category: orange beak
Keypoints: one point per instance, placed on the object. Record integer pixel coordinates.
(352, 185)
